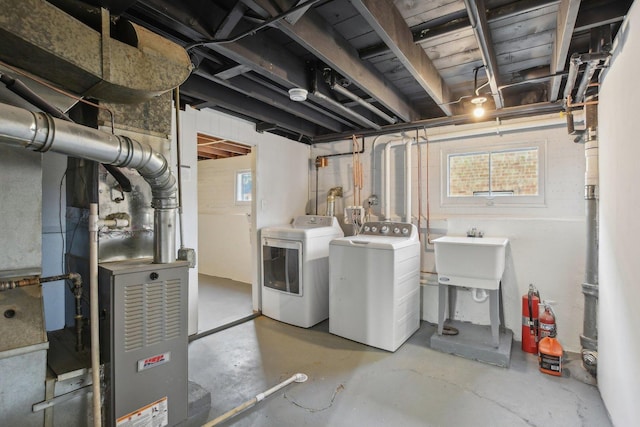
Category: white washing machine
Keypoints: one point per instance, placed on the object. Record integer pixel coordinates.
(295, 269)
(374, 285)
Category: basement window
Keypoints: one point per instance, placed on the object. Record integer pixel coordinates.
(243, 186)
(508, 175)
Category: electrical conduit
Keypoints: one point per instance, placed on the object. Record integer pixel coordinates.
(93, 310)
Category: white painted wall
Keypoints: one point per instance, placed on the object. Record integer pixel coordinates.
(547, 243)
(619, 252)
(281, 179)
(53, 224)
(221, 220)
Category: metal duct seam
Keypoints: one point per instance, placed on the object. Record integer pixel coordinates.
(41, 132)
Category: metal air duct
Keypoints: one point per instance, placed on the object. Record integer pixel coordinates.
(67, 52)
(41, 132)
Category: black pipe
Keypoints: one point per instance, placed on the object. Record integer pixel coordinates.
(123, 181)
(503, 113)
(20, 89)
(346, 154)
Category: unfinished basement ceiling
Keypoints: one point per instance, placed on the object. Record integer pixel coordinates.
(372, 65)
(211, 147)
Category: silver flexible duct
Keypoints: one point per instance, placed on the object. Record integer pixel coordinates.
(41, 132)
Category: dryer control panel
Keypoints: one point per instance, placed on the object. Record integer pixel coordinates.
(387, 228)
(313, 221)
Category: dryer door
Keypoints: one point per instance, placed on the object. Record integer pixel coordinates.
(282, 265)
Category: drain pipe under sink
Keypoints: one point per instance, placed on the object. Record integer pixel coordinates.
(479, 295)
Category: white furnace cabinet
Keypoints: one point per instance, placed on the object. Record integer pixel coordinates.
(143, 339)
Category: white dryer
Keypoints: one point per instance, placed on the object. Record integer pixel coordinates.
(374, 285)
(295, 269)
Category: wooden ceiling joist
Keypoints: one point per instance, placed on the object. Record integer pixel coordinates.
(211, 147)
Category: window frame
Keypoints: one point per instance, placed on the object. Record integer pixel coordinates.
(238, 174)
(495, 199)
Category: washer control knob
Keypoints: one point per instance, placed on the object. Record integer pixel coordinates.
(367, 228)
(374, 229)
(396, 230)
(405, 230)
(384, 229)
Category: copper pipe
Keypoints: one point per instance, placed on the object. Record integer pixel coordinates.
(580, 104)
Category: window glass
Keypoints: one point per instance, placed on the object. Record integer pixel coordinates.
(494, 175)
(515, 172)
(468, 173)
(243, 186)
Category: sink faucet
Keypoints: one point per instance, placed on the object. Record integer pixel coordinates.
(474, 232)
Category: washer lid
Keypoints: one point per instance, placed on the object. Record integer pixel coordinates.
(375, 242)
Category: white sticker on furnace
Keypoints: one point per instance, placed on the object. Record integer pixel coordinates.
(155, 414)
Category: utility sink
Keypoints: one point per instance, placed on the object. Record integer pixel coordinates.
(474, 262)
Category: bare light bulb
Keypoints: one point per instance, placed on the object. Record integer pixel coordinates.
(478, 111)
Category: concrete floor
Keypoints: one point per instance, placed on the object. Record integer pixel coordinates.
(221, 301)
(351, 384)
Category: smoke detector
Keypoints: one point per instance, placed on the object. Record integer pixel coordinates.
(298, 94)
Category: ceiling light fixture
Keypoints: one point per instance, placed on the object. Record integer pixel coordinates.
(478, 101)
(298, 94)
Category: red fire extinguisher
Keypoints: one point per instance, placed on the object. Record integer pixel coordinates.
(530, 303)
(546, 323)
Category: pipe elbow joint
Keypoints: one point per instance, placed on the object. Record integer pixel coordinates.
(76, 279)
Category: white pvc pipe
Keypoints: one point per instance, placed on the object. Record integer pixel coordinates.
(299, 378)
(407, 177)
(497, 129)
(93, 308)
(407, 180)
(387, 177)
(479, 295)
(591, 156)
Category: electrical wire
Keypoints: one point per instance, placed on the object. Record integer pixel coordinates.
(253, 31)
(62, 179)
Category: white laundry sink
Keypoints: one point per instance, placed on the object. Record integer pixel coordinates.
(474, 262)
